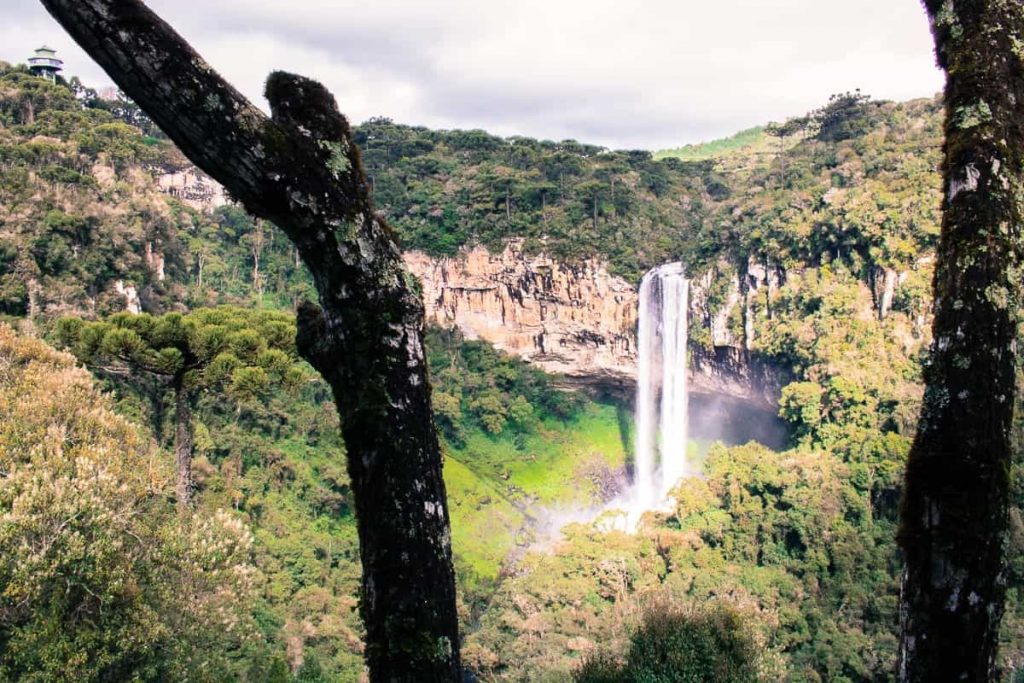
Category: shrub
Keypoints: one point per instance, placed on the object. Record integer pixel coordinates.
(99, 579)
(678, 644)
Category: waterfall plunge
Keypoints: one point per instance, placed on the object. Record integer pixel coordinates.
(661, 429)
(661, 401)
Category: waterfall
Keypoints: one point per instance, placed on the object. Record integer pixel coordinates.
(646, 390)
(662, 391)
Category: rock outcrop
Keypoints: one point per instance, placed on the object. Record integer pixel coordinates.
(576, 320)
(193, 187)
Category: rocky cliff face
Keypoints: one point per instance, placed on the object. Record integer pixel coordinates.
(193, 187)
(578, 321)
(573, 320)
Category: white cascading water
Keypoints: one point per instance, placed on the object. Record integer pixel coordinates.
(675, 291)
(662, 401)
(644, 462)
(661, 425)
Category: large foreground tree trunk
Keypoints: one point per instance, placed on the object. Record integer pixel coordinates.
(954, 514)
(300, 170)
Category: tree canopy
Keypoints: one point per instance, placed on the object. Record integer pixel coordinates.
(234, 352)
(100, 580)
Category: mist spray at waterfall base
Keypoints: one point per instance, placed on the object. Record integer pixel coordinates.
(662, 393)
(662, 403)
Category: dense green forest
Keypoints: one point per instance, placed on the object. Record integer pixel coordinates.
(827, 224)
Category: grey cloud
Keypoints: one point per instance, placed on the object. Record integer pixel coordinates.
(646, 74)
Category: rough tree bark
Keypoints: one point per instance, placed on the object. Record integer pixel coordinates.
(300, 170)
(954, 513)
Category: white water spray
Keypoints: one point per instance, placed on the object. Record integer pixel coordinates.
(661, 429)
(644, 462)
(662, 401)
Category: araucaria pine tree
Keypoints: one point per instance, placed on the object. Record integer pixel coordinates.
(231, 350)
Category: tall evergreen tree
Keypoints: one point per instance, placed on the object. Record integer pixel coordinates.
(232, 350)
(954, 515)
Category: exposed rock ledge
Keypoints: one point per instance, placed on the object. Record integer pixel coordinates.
(575, 320)
(192, 187)
(578, 321)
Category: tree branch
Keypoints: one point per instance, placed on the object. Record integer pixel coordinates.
(301, 170)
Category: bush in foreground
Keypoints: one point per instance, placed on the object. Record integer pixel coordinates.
(681, 644)
(99, 579)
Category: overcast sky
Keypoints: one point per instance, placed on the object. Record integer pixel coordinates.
(642, 74)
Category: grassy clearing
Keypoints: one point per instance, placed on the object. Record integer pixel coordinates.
(744, 141)
(493, 480)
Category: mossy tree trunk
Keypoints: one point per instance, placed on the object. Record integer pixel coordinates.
(300, 169)
(954, 514)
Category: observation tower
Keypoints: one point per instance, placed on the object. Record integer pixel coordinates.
(45, 63)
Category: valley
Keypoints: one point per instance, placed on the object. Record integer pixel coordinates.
(804, 332)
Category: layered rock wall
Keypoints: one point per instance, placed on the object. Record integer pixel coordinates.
(578, 321)
(573, 320)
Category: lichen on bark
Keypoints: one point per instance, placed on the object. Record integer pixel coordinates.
(300, 169)
(954, 514)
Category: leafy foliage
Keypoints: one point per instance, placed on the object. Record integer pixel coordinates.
(100, 579)
(675, 645)
(444, 189)
(476, 384)
(62, 169)
(239, 352)
(845, 116)
(791, 539)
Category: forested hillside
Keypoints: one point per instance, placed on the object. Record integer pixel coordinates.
(97, 236)
(854, 180)
(814, 235)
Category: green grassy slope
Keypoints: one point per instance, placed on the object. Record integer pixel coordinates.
(751, 139)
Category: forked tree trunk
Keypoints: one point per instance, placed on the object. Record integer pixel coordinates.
(301, 170)
(182, 445)
(954, 514)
